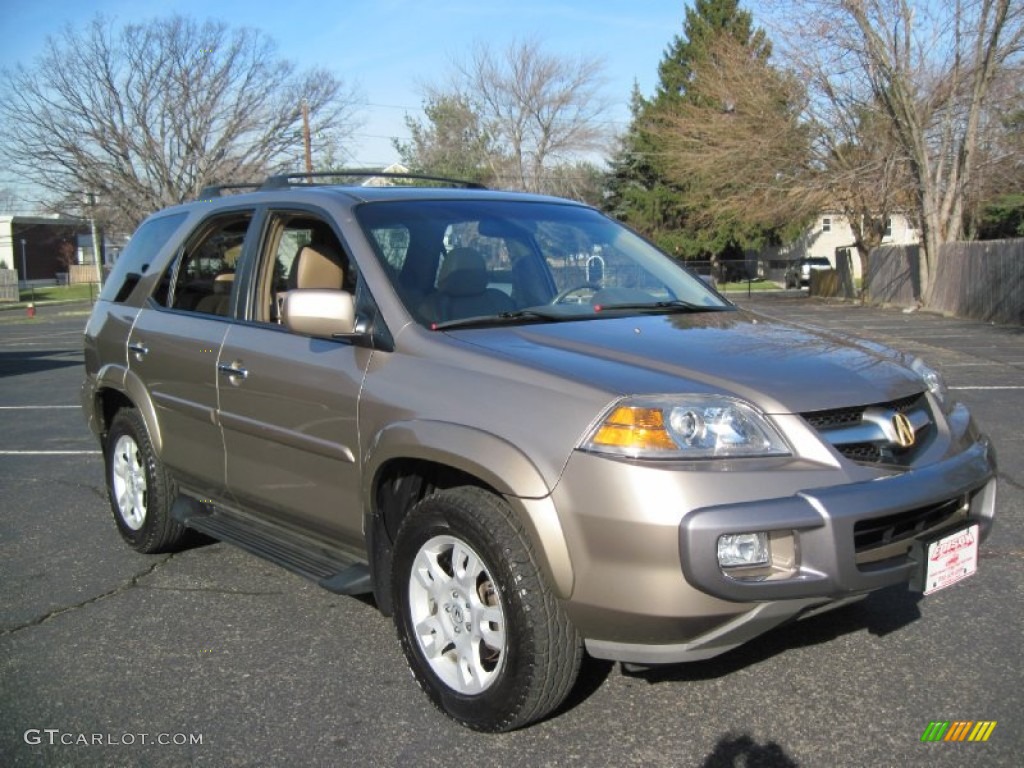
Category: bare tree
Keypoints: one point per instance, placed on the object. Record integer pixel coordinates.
(539, 110)
(147, 115)
(8, 200)
(999, 180)
(580, 180)
(921, 75)
(864, 178)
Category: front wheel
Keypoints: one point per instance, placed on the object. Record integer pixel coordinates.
(482, 633)
(140, 491)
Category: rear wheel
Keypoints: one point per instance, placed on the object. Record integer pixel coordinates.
(139, 489)
(483, 635)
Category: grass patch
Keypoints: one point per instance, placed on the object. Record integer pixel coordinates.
(743, 286)
(78, 292)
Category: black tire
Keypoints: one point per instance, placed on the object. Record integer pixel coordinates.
(139, 489)
(538, 661)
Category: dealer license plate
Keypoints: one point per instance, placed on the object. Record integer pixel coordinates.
(951, 558)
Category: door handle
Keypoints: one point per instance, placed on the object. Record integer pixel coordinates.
(233, 371)
(138, 349)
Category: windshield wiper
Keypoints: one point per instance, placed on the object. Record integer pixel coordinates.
(515, 316)
(534, 314)
(674, 305)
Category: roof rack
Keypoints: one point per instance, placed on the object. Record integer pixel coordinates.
(283, 180)
(215, 190)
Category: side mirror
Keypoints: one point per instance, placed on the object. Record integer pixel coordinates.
(320, 312)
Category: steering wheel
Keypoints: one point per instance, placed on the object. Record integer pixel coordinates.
(569, 291)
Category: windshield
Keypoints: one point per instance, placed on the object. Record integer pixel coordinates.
(453, 262)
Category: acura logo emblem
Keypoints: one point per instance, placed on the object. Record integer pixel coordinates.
(904, 430)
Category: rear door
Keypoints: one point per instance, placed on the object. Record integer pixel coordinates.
(175, 342)
(288, 403)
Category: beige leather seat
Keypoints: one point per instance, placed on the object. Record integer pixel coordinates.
(462, 290)
(319, 266)
(218, 302)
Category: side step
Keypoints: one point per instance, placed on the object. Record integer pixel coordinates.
(333, 569)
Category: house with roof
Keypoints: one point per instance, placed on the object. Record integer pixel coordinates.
(40, 248)
(830, 236)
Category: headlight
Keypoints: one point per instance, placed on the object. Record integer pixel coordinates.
(932, 379)
(684, 427)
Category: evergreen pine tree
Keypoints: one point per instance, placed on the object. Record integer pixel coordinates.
(640, 191)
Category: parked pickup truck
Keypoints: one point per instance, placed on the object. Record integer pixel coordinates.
(421, 391)
(799, 273)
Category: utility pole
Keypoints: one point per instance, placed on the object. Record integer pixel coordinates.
(305, 137)
(91, 199)
(24, 267)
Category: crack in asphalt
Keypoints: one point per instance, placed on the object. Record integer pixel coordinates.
(119, 589)
(213, 590)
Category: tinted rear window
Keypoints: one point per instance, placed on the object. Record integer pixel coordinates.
(143, 247)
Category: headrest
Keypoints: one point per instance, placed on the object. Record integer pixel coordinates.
(222, 283)
(319, 267)
(463, 273)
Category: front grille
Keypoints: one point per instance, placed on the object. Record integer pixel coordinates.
(861, 452)
(838, 417)
(841, 417)
(879, 531)
(860, 439)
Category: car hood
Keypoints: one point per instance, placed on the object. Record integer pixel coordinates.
(781, 367)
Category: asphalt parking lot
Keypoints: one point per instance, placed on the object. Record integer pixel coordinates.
(211, 657)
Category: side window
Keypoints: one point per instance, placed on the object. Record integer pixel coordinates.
(299, 251)
(143, 247)
(205, 275)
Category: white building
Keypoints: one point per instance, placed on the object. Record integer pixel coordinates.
(831, 232)
(40, 248)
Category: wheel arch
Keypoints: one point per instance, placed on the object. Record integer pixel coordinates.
(118, 388)
(410, 460)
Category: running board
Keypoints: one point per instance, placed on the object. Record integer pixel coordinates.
(333, 569)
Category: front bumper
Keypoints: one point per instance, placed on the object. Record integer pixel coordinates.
(742, 628)
(643, 543)
(823, 522)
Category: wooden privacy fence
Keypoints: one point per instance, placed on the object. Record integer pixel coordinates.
(82, 273)
(892, 275)
(829, 283)
(983, 280)
(978, 280)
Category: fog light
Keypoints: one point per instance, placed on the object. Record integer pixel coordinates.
(736, 550)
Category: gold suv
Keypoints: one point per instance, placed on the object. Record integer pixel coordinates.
(527, 432)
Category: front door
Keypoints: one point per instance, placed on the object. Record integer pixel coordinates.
(288, 403)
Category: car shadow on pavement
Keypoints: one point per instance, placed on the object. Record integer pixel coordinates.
(880, 613)
(22, 362)
(734, 750)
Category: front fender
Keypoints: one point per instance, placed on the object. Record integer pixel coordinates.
(494, 461)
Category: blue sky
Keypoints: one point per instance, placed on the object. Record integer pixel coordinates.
(389, 48)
